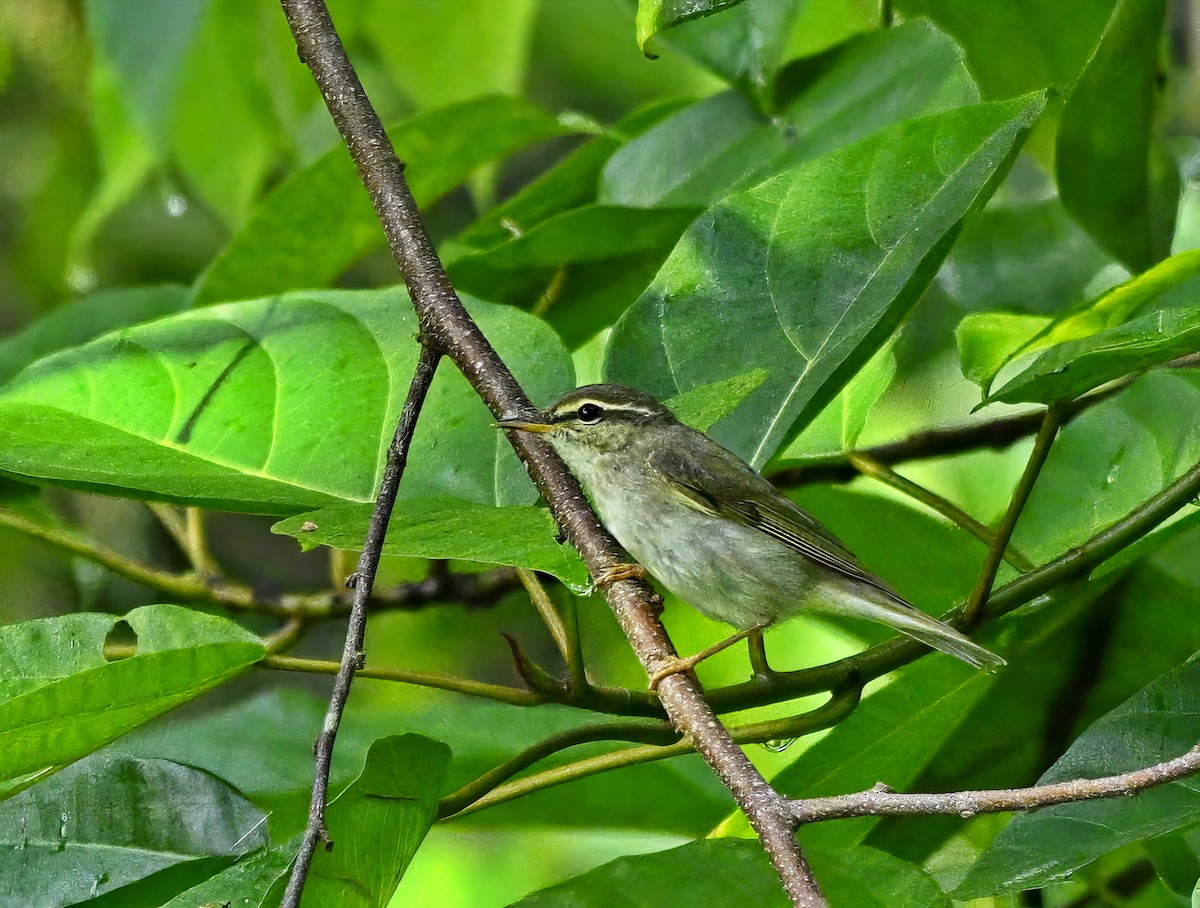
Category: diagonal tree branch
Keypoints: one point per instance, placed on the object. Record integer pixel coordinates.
(446, 324)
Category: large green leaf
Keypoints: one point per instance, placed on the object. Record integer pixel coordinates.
(1160, 722)
(271, 406)
(699, 154)
(757, 268)
(110, 821)
(1074, 368)
(1114, 175)
(61, 699)
(319, 221)
(378, 822)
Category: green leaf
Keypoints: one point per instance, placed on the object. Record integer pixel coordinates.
(570, 183)
(1020, 45)
(247, 883)
(708, 872)
(1113, 174)
(89, 830)
(445, 528)
(1115, 456)
(226, 133)
(756, 267)
(837, 428)
(1028, 257)
(438, 54)
(987, 341)
(722, 143)
(1160, 722)
(744, 45)
(656, 16)
(271, 406)
(1074, 368)
(378, 822)
(78, 322)
(728, 871)
(279, 249)
(145, 46)
(703, 406)
(62, 700)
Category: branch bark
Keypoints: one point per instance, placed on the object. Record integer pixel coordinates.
(446, 324)
(882, 801)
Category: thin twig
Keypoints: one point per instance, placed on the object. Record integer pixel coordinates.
(991, 562)
(993, 433)
(545, 608)
(833, 711)
(352, 654)
(446, 322)
(882, 801)
(871, 467)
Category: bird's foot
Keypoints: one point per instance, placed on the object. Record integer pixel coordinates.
(678, 665)
(611, 575)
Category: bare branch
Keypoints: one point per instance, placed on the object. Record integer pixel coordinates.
(352, 654)
(882, 801)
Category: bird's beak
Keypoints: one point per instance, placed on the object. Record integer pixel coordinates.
(523, 425)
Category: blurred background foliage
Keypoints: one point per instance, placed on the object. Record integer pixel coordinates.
(174, 146)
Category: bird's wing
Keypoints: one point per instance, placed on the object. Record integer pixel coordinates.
(746, 498)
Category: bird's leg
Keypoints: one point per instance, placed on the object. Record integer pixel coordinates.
(610, 575)
(758, 652)
(677, 665)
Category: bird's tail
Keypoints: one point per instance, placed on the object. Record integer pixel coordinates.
(912, 621)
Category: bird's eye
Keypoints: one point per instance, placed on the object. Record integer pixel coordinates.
(590, 413)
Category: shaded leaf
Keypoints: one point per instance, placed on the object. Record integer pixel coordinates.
(987, 341)
(247, 883)
(734, 871)
(78, 322)
(1160, 722)
(109, 821)
(722, 143)
(378, 822)
(757, 266)
(444, 528)
(1124, 192)
(282, 248)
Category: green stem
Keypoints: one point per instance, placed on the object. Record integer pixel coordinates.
(881, 472)
(470, 798)
(991, 562)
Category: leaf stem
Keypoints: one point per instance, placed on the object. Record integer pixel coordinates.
(991, 562)
(869, 466)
